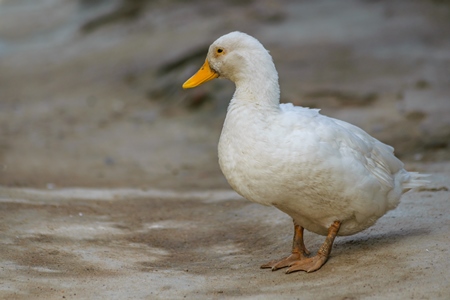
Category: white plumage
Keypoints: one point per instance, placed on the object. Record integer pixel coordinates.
(316, 169)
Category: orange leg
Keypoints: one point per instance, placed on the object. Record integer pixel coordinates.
(298, 262)
(299, 252)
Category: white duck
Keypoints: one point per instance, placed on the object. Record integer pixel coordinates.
(331, 177)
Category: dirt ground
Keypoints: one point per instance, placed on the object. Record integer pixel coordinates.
(109, 181)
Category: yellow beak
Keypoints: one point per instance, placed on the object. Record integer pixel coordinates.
(203, 75)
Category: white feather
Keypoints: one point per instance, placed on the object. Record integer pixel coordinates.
(315, 168)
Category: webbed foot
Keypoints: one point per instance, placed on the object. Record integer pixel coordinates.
(298, 261)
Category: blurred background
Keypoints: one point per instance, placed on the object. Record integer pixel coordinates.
(90, 90)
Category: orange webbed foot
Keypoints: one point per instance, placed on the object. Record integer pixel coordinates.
(298, 260)
(283, 263)
(299, 252)
(310, 264)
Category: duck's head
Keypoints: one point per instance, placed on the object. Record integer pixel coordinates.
(236, 56)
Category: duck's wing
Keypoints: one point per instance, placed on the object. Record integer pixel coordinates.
(352, 144)
(377, 157)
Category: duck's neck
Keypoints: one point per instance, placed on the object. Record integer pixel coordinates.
(258, 86)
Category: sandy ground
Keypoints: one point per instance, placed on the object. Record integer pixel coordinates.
(154, 244)
(109, 182)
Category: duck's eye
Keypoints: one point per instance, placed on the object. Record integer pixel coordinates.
(219, 50)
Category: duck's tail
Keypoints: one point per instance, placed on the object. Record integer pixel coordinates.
(416, 180)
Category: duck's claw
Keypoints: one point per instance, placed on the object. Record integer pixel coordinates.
(283, 263)
(308, 264)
